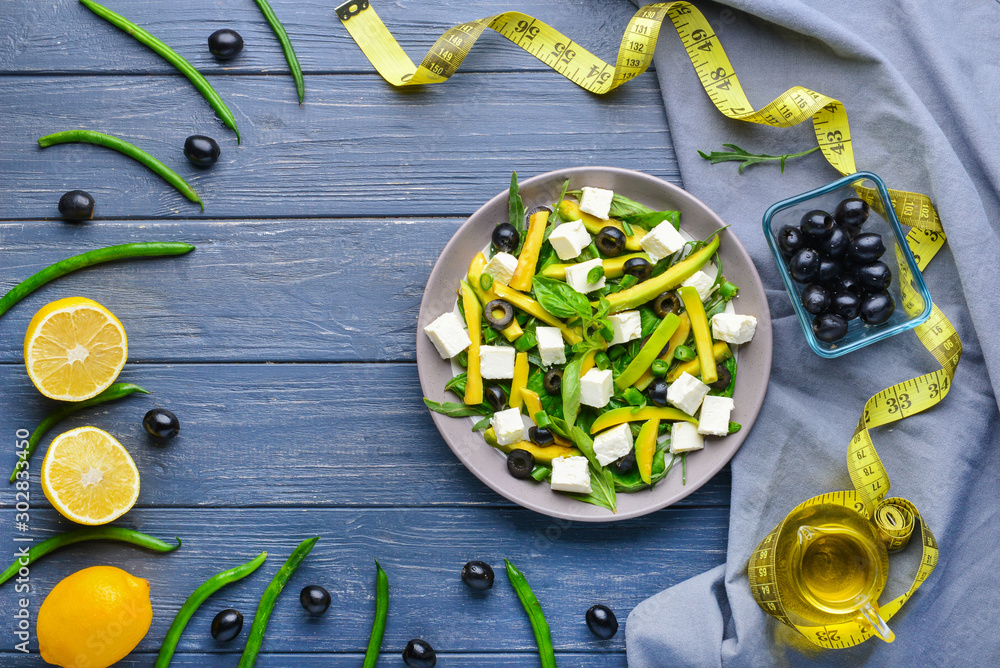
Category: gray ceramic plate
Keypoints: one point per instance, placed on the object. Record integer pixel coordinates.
(699, 221)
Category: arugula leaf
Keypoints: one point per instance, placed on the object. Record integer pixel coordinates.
(747, 159)
(559, 299)
(454, 409)
(651, 220)
(482, 424)
(457, 384)
(571, 391)
(602, 484)
(515, 208)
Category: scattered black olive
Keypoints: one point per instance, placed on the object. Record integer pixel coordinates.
(161, 423)
(829, 327)
(877, 308)
(478, 575)
(866, 248)
(790, 239)
(610, 241)
(852, 214)
(724, 377)
(227, 625)
(225, 44)
(815, 298)
(506, 237)
(495, 397)
(602, 622)
(847, 283)
(314, 599)
(828, 270)
(552, 381)
(666, 303)
(624, 465)
(657, 392)
(816, 224)
(520, 463)
(873, 277)
(638, 267)
(845, 304)
(804, 265)
(419, 654)
(506, 313)
(836, 243)
(541, 436)
(202, 151)
(76, 205)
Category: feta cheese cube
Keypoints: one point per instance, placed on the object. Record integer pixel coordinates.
(501, 267)
(448, 335)
(596, 388)
(496, 362)
(733, 328)
(714, 418)
(596, 202)
(613, 444)
(569, 239)
(686, 393)
(551, 348)
(684, 437)
(662, 241)
(626, 326)
(700, 281)
(571, 474)
(508, 426)
(576, 276)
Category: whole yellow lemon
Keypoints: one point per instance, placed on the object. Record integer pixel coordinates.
(94, 618)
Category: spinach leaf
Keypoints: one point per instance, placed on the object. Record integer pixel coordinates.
(571, 390)
(651, 220)
(649, 320)
(454, 409)
(560, 299)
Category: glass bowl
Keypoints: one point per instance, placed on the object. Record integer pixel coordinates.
(881, 220)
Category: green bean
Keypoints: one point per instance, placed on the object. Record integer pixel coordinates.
(120, 534)
(381, 613)
(171, 56)
(194, 601)
(268, 599)
(543, 638)
(113, 393)
(90, 258)
(134, 152)
(684, 353)
(286, 46)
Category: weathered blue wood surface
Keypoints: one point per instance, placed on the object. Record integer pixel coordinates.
(285, 343)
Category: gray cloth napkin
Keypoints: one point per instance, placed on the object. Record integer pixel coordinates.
(921, 82)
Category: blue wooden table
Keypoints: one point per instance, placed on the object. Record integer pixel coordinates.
(285, 343)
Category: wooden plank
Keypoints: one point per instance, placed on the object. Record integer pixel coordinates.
(65, 37)
(281, 435)
(358, 148)
(570, 567)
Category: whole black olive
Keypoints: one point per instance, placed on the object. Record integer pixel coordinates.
(478, 575)
(666, 303)
(602, 622)
(845, 304)
(610, 241)
(225, 44)
(498, 313)
(724, 377)
(816, 224)
(815, 298)
(866, 248)
(847, 283)
(552, 381)
(829, 327)
(202, 151)
(790, 239)
(852, 214)
(638, 267)
(804, 265)
(419, 654)
(161, 423)
(495, 397)
(657, 392)
(506, 237)
(835, 244)
(828, 270)
(877, 308)
(520, 463)
(314, 599)
(540, 436)
(76, 205)
(227, 625)
(624, 465)
(873, 277)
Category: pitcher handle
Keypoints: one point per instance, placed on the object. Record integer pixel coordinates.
(877, 624)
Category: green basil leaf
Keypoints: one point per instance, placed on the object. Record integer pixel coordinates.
(571, 390)
(651, 220)
(734, 427)
(622, 206)
(602, 484)
(453, 409)
(581, 439)
(560, 299)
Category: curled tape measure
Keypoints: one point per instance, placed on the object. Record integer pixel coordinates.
(892, 519)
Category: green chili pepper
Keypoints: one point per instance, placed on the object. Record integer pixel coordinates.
(113, 393)
(171, 56)
(381, 613)
(120, 534)
(286, 46)
(90, 258)
(546, 653)
(134, 152)
(659, 368)
(684, 353)
(194, 601)
(268, 599)
(485, 281)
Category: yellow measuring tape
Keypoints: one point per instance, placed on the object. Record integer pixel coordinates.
(893, 518)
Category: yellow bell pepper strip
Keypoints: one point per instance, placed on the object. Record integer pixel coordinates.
(645, 448)
(654, 346)
(720, 351)
(473, 320)
(643, 292)
(520, 380)
(570, 210)
(542, 455)
(531, 307)
(588, 362)
(511, 332)
(702, 334)
(679, 337)
(532, 406)
(614, 267)
(617, 416)
(528, 258)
